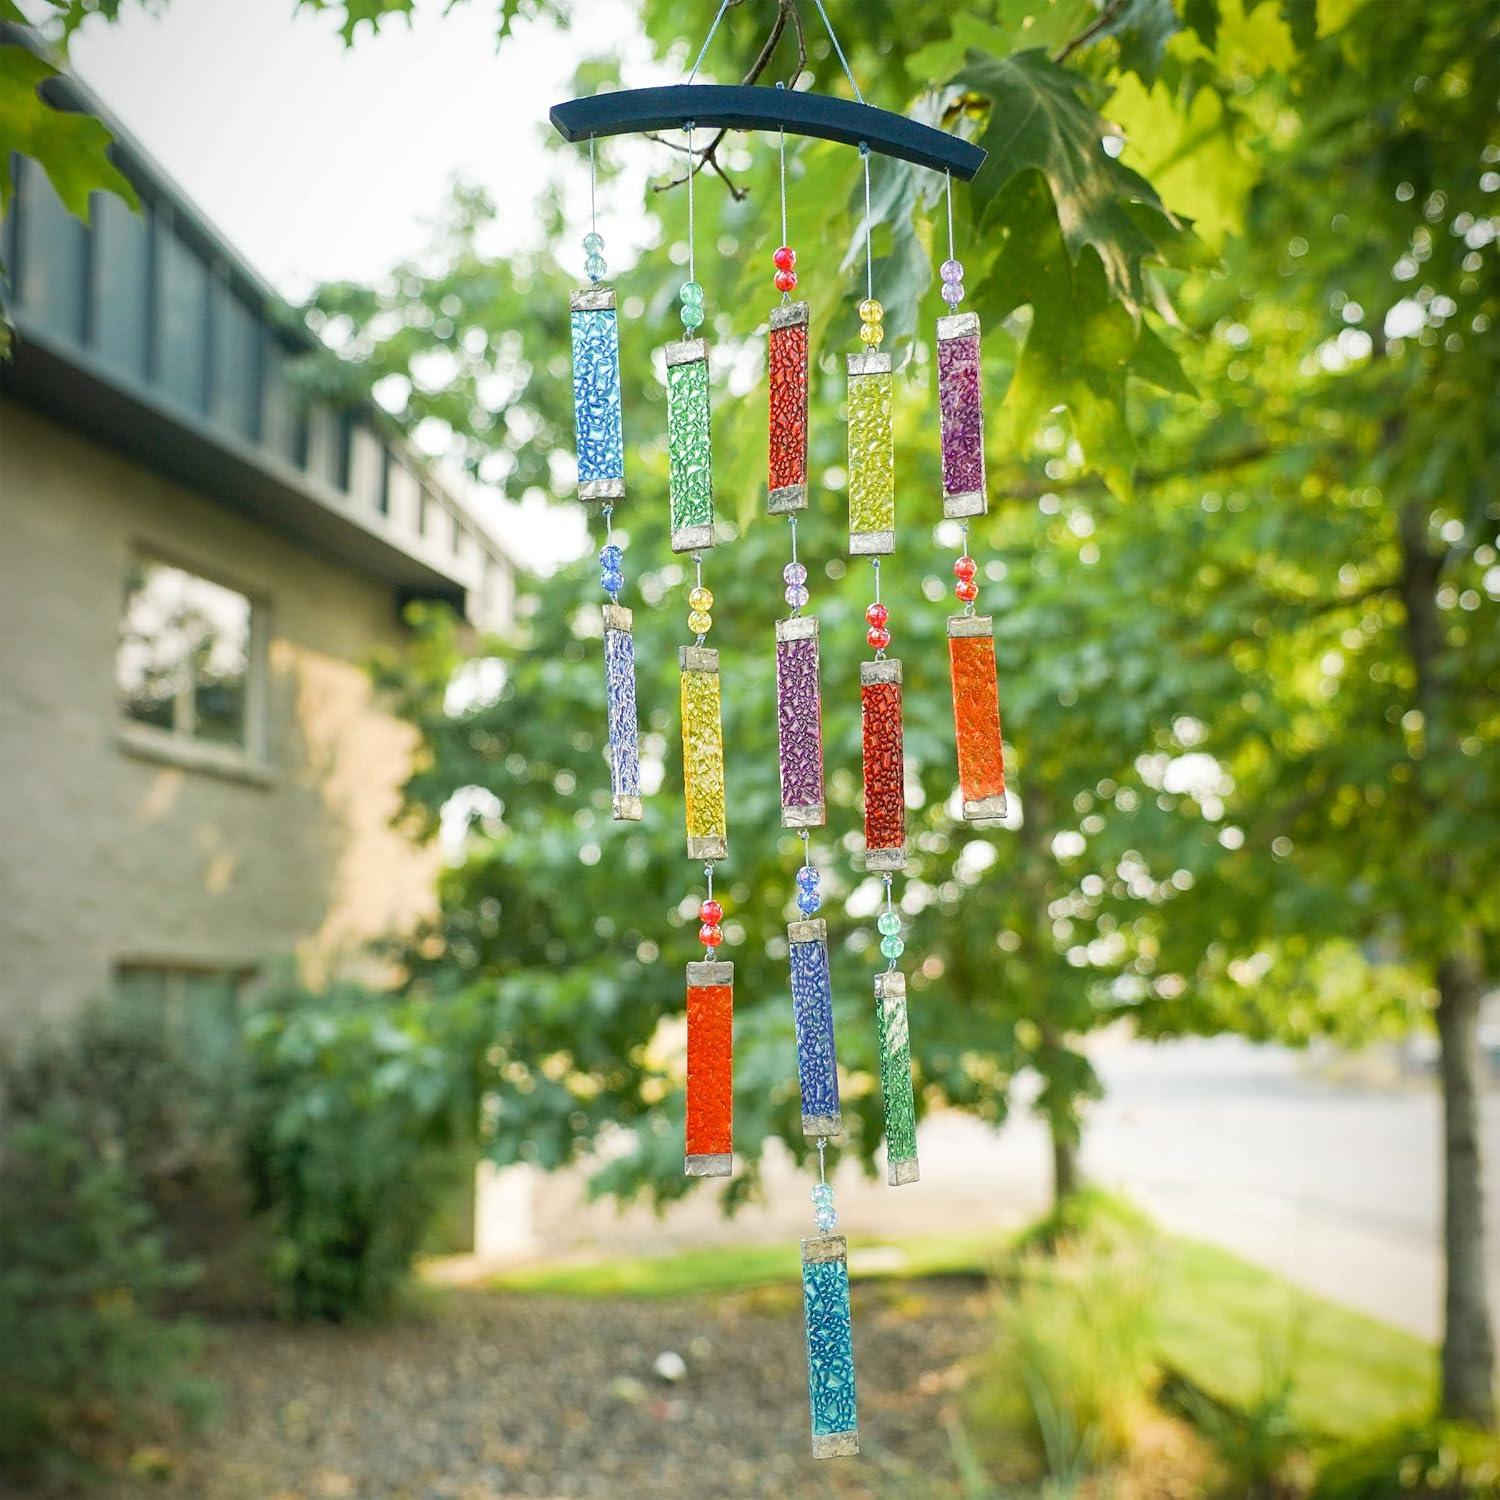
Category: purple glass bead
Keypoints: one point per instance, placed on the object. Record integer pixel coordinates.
(951, 270)
(797, 596)
(793, 574)
(953, 293)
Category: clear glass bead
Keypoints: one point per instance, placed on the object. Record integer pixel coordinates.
(824, 1215)
(691, 294)
(596, 267)
(797, 596)
(700, 598)
(593, 243)
(700, 622)
(794, 573)
(889, 923)
(951, 270)
(892, 947)
(692, 315)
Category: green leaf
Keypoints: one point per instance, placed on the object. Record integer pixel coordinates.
(1301, 17)
(73, 149)
(357, 13)
(1143, 29)
(1202, 16)
(1021, 25)
(1043, 117)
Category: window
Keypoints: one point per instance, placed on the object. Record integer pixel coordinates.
(184, 660)
(198, 1009)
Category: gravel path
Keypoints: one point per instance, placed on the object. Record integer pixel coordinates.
(508, 1395)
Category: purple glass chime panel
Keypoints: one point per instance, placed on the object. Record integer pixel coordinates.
(962, 415)
(799, 718)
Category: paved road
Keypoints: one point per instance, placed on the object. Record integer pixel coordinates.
(1336, 1186)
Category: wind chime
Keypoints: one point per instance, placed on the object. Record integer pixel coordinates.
(709, 1145)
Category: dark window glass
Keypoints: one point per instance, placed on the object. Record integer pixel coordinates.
(182, 303)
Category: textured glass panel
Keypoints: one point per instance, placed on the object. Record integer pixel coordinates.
(976, 717)
(690, 480)
(703, 756)
(885, 790)
(830, 1343)
(962, 420)
(710, 1067)
(596, 395)
(895, 1074)
(872, 459)
(800, 724)
(788, 385)
(624, 729)
(812, 1011)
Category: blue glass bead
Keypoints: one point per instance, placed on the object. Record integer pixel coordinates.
(823, 1210)
(593, 243)
(611, 581)
(808, 900)
(807, 875)
(692, 314)
(793, 574)
(892, 947)
(889, 923)
(610, 555)
(596, 267)
(797, 597)
(691, 294)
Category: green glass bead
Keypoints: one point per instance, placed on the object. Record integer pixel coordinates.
(892, 947)
(889, 923)
(691, 294)
(692, 315)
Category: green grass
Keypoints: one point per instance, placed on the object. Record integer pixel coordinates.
(1223, 1322)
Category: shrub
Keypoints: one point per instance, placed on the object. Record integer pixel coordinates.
(361, 1108)
(1437, 1460)
(87, 1361)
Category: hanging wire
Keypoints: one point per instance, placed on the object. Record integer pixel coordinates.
(692, 276)
(890, 968)
(833, 37)
(781, 152)
(593, 215)
(949, 176)
(706, 40)
(822, 1167)
(864, 156)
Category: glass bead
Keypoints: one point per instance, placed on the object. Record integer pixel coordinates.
(892, 947)
(610, 555)
(876, 614)
(710, 913)
(870, 311)
(593, 243)
(785, 258)
(965, 567)
(824, 1214)
(701, 598)
(797, 596)
(951, 270)
(967, 590)
(691, 293)
(871, 333)
(700, 622)
(611, 580)
(710, 934)
(596, 267)
(786, 281)
(807, 875)
(953, 293)
(692, 315)
(889, 923)
(879, 639)
(808, 901)
(794, 573)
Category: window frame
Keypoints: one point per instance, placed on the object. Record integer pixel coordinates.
(249, 761)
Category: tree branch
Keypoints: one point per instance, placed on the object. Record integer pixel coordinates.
(1101, 22)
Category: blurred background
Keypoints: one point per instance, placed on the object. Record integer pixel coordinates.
(342, 1046)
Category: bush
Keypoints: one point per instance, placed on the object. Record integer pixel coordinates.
(361, 1110)
(88, 1362)
(1438, 1460)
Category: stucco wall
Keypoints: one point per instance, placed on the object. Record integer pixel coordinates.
(105, 855)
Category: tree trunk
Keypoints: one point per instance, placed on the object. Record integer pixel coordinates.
(1064, 1166)
(1468, 1347)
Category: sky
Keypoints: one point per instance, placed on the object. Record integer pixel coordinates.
(323, 163)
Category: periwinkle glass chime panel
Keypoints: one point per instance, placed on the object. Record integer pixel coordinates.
(812, 1014)
(884, 765)
(703, 754)
(872, 455)
(787, 378)
(830, 1346)
(596, 395)
(895, 1078)
(623, 725)
(710, 1070)
(799, 722)
(976, 715)
(690, 486)
(962, 415)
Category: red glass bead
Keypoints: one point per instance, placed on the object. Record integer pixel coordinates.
(785, 258)
(967, 590)
(876, 615)
(965, 567)
(878, 638)
(711, 913)
(710, 934)
(785, 280)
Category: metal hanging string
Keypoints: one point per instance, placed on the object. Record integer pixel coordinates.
(890, 968)
(691, 174)
(864, 156)
(949, 176)
(833, 37)
(706, 40)
(593, 215)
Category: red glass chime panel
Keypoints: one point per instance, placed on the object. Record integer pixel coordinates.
(710, 1070)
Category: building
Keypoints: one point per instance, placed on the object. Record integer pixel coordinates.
(195, 568)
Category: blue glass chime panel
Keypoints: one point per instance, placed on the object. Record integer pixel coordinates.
(596, 395)
(624, 730)
(830, 1346)
(812, 1013)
